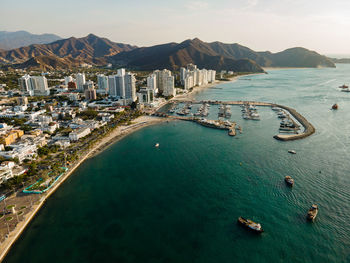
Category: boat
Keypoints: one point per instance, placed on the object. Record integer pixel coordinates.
(345, 90)
(292, 151)
(335, 106)
(312, 213)
(157, 145)
(289, 180)
(275, 108)
(344, 87)
(256, 227)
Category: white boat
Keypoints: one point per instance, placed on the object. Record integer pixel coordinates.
(157, 145)
(292, 151)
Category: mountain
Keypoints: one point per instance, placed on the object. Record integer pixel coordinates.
(72, 52)
(217, 55)
(297, 57)
(90, 49)
(11, 40)
(174, 55)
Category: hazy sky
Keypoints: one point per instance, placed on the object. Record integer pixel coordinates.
(320, 25)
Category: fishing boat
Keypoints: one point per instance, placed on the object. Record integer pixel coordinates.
(312, 213)
(344, 87)
(289, 180)
(335, 106)
(256, 227)
(292, 151)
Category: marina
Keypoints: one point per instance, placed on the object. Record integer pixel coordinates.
(290, 124)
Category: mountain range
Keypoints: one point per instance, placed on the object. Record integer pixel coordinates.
(11, 40)
(72, 52)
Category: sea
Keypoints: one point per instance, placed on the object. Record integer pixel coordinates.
(180, 202)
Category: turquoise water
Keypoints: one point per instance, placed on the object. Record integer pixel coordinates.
(180, 202)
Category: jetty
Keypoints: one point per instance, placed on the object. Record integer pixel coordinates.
(309, 129)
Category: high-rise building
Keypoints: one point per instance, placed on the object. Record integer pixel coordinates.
(80, 79)
(169, 86)
(112, 86)
(102, 82)
(182, 75)
(130, 86)
(162, 80)
(197, 77)
(40, 86)
(152, 83)
(24, 83)
(122, 85)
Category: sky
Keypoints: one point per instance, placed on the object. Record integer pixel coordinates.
(274, 25)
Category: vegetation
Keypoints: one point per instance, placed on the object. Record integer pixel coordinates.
(88, 114)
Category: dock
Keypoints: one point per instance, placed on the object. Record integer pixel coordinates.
(309, 129)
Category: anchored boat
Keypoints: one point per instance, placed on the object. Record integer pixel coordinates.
(289, 180)
(256, 227)
(312, 213)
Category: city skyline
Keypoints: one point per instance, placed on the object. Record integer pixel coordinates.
(261, 25)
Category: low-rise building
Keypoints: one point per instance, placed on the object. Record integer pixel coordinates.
(79, 133)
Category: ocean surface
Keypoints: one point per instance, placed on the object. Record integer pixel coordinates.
(180, 202)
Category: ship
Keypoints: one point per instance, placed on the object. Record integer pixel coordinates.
(344, 87)
(256, 227)
(289, 180)
(335, 106)
(312, 213)
(292, 151)
(157, 145)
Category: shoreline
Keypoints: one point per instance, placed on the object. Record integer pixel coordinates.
(116, 135)
(198, 89)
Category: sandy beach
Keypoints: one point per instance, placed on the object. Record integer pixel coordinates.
(117, 134)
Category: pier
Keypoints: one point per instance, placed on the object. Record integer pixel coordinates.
(309, 129)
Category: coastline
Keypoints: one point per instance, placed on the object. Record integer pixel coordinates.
(116, 135)
(99, 146)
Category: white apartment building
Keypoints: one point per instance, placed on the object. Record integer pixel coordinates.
(195, 77)
(34, 85)
(123, 86)
(78, 134)
(102, 82)
(152, 83)
(40, 86)
(165, 82)
(80, 79)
